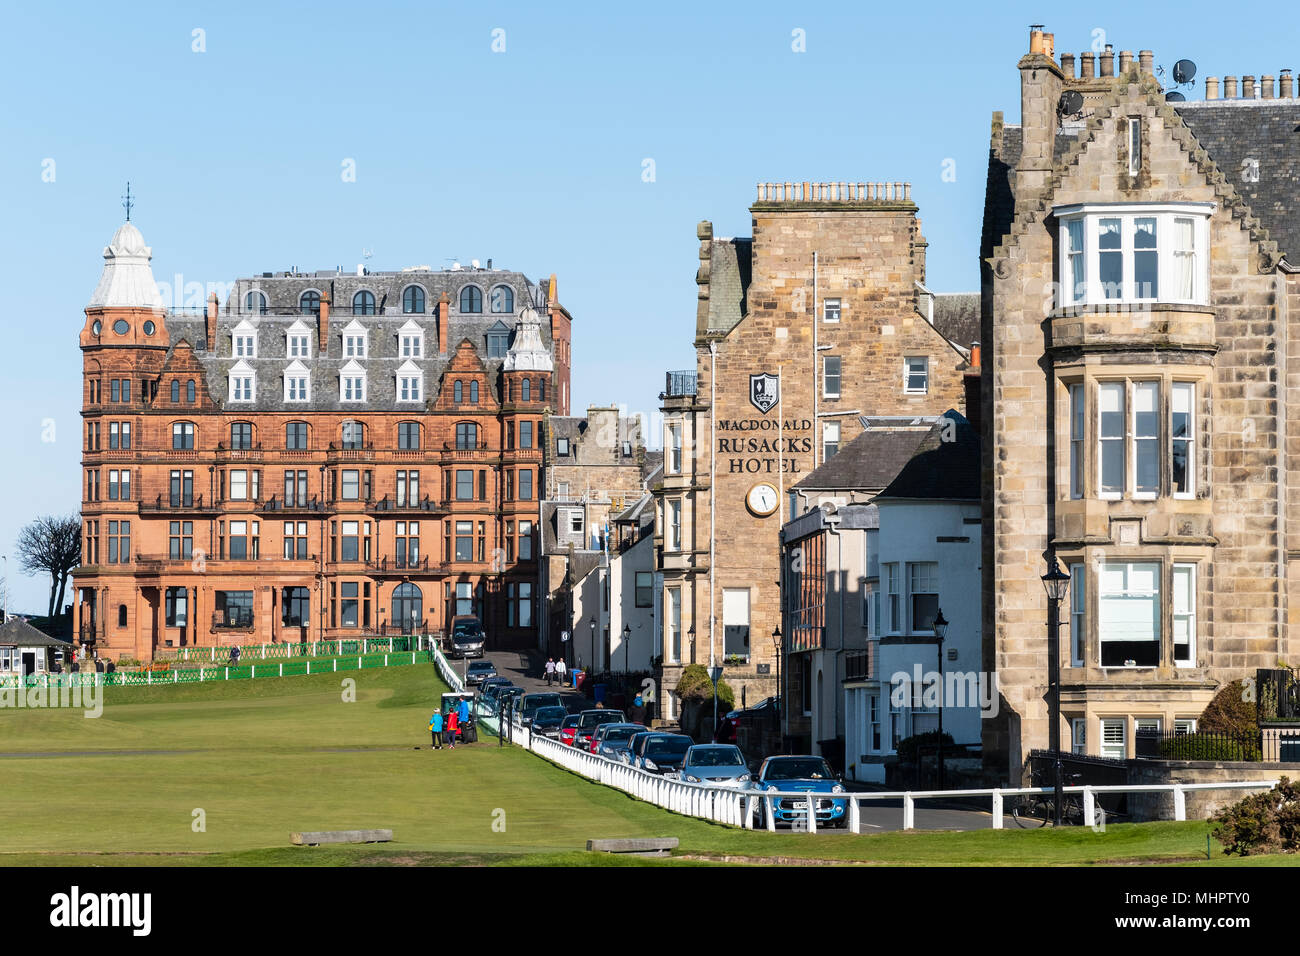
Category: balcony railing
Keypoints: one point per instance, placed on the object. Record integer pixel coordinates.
(298, 505)
(861, 665)
(392, 504)
(166, 503)
(398, 565)
(683, 383)
(233, 619)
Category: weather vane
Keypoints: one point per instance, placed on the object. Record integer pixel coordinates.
(126, 201)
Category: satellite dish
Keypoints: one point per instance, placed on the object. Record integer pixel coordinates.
(1184, 71)
(1071, 102)
(1175, 97)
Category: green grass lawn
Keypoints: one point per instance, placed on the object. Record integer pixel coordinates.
(263, 758)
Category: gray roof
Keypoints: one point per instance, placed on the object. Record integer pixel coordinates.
(730, 270)
(957, 317)
(945, 466)
(16, 632)
(868, 463)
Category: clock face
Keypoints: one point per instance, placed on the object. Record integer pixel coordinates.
(761, 500)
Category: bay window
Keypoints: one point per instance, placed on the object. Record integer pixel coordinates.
(1183, 433)
(1112, 253)
(1184, 613)
(1146, 439)
(1128, 619)
(1110, 436)
(1078, 619)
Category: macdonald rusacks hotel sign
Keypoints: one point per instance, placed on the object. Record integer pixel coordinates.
(778, 448)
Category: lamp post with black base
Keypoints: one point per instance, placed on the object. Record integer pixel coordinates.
(1055, 582)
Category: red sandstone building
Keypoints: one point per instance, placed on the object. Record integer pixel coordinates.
(321, 455)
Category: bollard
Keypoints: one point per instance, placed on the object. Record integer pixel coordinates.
(997, 809)
(909, 812)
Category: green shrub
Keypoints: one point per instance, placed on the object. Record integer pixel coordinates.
(1199, 747)
(694, 684)
(926, 743)
(1261, 823)
(1229, 713)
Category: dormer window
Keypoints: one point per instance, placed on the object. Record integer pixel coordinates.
(503, 299)
(1116, 254)
(363, 303)
(309, 302)
(413, 300)
(255, 302)
(244, 341)
(296, 382)
(354, 341)
(242, 380)
(410, 381)
(471, 300)
(498, 341)
(352, 383)
(562, 447)
(410, 339)
(298, 341)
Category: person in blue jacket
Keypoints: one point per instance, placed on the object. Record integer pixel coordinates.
(435, 728)
(463, 712)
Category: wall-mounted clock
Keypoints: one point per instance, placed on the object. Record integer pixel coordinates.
(762, 499)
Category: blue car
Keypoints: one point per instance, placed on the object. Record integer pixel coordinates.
(803, 774)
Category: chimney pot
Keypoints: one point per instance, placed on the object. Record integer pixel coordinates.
(1067, 65)
(1125, 60)
(1145, 61)
(1288, 85)
(1248, 87)
(1211, 87)
(1266, 81)
(1036, 39)
(1108, 61)
(1229, 87)
(1049, 45)
(1087, 61)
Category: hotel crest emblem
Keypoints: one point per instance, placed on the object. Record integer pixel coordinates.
(764, 391)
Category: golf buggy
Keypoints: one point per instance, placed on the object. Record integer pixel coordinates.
(468, 729)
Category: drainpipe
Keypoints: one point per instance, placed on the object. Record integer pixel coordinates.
(816, 323)
(832, 526)
(713, 486)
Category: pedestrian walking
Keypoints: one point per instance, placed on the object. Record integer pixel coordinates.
(550, 671)
(435, 728)
(638, 710)
(560, 669)
(453, 725)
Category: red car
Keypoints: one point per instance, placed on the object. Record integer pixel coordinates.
(569, 729)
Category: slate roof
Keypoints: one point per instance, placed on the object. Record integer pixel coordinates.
(730, 270)
(868, 463)
(939, 469)
(957, 317)
(16, 632)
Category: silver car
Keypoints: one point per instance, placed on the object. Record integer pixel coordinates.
(719, 765)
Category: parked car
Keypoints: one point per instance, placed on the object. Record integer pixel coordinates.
(489, 681)
(611, 737)
(479, 671)
(535, 701)
(803, 774)
(508, 699)
(546, 721)
(589, 720)
(629, 752)
(466, 636)
(664, 753)
(765, 711)
(569, 728)
(493, 692)
(722, 765)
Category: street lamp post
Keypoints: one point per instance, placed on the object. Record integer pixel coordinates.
(1055, 582)
(627, 634)
(593, 640)
(780, 689)
(715, 674)
(691, 634)
(940, 631)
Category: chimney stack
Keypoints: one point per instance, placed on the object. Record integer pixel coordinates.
(444, 322)
(1041, 83)
(1108, 61)
(1248, 87)
(1125, 61)
(210, 323)
(1036, 38)
(1067, 65)
(1211, 87)
(1288, 87)
(1229, 87)
(1145, 61)
(1266, 81)
(323, 321)
(1086, 61)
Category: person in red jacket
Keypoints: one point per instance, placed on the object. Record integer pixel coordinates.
(453, 727)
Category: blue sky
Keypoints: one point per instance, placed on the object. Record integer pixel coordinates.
(532, 156)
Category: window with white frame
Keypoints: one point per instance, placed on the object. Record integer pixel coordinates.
(410, 340)
(352, 383)
(1146, 439)
(299, 345)
(1128, 614)
(674, 542)
(1078, 611)
(1182, 431)
(1134, 146)
(244, 344)
(1184, 611)
(295, 388)
(1110, 439)
(408, 388)
(831, 310)
(241, 383)
(923, 590)
(1129, 254)
(1114, 737)
(674, 449)
(830, 440)
(831, 365)
(1079, 735)
(354, 340)
(1147, 725)
(1077, 426)
(916, 374)
(895, 597)
(1184, 726)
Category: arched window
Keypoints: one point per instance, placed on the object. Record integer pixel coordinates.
(503, 299)
(458, 392)
(309, 301)
(189, 391)
(526, 391)
(473, 393)
(121, 615)
(413, 300)
(541, 389)
(466, 435)
(471, 299)
(408, 435)
(255, 302)
(176, 391)
(408, 606)
(354, 434)
(363, 303)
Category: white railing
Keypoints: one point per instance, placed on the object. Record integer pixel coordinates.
(734, 807)
(835, 192)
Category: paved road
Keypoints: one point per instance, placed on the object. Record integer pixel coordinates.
(525, 669)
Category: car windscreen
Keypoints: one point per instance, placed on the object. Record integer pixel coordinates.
(716, 757)
(468, 636)
(667, 748)
(570, 722)
(547, 715)
(481, 667)
(618, 734)
(541, 700)
(600, 717)
(812, 768)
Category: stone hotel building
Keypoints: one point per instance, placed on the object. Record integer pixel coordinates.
(321, 455)
(1141, 285)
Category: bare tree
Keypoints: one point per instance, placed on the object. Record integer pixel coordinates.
(51, 545)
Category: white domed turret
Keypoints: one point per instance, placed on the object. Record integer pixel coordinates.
(127, 279)
(528, 354)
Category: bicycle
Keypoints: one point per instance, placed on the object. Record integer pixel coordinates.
(1034, 810)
